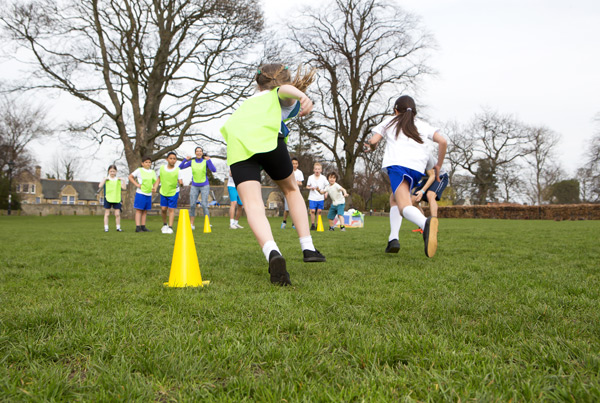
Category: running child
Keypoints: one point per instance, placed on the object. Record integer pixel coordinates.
(112, 196)
(338, 200)
(235, 204)
(430, 189)
(199, 185)
(169, 179)
(299, 178)
(143, 179)
(256, 139)
(316, 201)
(405, 159)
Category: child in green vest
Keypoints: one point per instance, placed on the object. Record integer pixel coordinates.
(112, 196)
(199, 185)
(256, 139)
(143, 179)
(169, 180)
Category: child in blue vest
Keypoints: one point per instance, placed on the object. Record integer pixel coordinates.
(169, 180)
(256, 140)
(112, 196)
(143, 179)
(199, 185)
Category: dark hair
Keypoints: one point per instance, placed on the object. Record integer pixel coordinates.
(405, 120)
(196, 149)
(334, 174)
(171, 153)
(294, 159)
(112, 166)
(146, 158)
(274, 75)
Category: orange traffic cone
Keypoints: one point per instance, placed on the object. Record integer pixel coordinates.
(206, 225)
(320, 225)
(185, 270)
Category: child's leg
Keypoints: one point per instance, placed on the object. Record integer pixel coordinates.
(163, 213)
(106, 214)
(118, 218)
(194, 192)
(250, 193)
(143, 218)
(296, 204)
(331, 223)
(341, 220)
(138, 217)
(171, 216)
(433, 206)
(232, 205)
(402, 196)
(204, 191)
(395, 219)
(312, 217)
(238, 212)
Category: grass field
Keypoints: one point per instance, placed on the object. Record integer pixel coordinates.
(506, 310)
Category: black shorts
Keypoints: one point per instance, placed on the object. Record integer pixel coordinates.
(276, 163)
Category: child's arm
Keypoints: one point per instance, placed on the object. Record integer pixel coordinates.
(155, 187)
(132, 180)
(372, 142)
(123, 184)
(289, 94)
(443, 144)
(101, 183)
(344, 193)
(186, 163)
(430, 180)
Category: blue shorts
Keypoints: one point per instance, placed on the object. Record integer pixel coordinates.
(142, 202)
(439, 187)
(335, 211)
(234, 196)
(316, 205)
(109, 205)
(169, 201)
(398, 174)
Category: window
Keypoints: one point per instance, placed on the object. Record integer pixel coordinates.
(38, 200)
(65, 200)
(25, 188)
(32, 188)
(93, 203)
(80, 202)
(18, 188)
(54, 201)
(71, 199)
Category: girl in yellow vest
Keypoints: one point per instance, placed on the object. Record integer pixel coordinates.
(256, 139)
(143, 179)
(112, 196)
(169, 180)
(199, 185)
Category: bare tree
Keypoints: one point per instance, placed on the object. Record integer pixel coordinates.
(65, 167)
(155, 70)
(541, 160)
(20, 124)
(363, 49)
(490, 142)
(589, 174)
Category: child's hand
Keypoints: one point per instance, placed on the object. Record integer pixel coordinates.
(367, 147)
(306, 106)
(188, 158)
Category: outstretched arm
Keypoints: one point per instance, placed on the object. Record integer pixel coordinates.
(289, 94)
(372, 142)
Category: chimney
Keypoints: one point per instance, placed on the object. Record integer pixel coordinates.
(38, 171)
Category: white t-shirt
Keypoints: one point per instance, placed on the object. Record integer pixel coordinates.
(138, 178)
(179, 177)
(320, 183)
(404, 151)
(336, 194)
(299, 175)
(230, 182)
(431, 163)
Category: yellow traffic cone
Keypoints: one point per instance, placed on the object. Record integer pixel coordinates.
(320, 224)
(185, 270)
(206, 225)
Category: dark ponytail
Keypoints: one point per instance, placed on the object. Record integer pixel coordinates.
(405, 120)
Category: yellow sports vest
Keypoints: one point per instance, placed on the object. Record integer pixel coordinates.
(168, 181)
(148, 179)
(112, 191)
(199, 171)
(253, 128)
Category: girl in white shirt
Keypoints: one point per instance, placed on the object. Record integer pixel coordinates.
(405, 158)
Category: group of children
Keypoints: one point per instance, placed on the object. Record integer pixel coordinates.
(256, 136)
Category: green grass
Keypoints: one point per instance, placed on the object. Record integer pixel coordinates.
(506, 310)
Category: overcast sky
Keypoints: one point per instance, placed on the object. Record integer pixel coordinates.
(538, 60)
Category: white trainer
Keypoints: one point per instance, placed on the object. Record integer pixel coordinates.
(165, 229)
(193, 227)
(232, 226)
(238, 226)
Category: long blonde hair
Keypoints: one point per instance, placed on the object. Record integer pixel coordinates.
(274, 75)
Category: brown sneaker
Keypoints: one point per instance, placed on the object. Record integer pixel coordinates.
(430, 236)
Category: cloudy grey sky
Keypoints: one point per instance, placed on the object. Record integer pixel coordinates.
(536, 59)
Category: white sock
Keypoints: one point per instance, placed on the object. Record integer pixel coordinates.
(236, 222)
(306, 243)
(395, 223)
(231, 221)
(413, 214)
(118, 227)
(269, 247)
(106, 227)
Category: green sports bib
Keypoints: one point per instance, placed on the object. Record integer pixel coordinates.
(253, 128)
(112, 191)
(148, 179)
(199, 171)
(168, 181)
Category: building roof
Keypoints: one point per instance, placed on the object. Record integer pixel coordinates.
(51, 188)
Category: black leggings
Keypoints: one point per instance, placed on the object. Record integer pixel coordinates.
(276, 163)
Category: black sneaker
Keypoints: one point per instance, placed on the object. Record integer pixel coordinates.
(119, 230)
(430, 236)
(313, 228)
(138, 229)
(313, 256)
(331, 229)
(279, 274)
(144, 229)
(393, 246)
